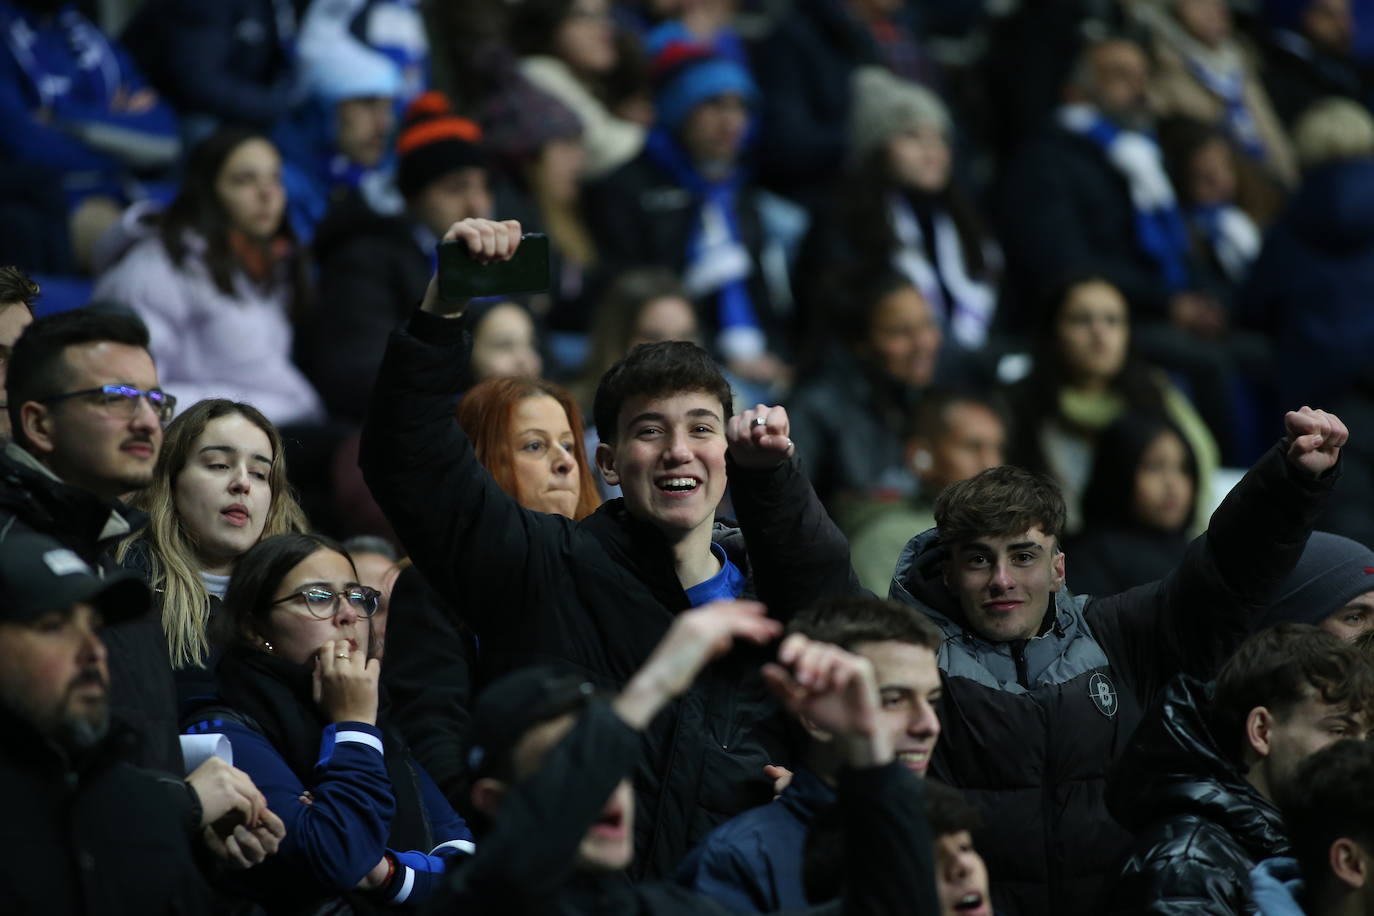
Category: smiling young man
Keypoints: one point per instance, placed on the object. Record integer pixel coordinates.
(1044, 688)
(754, 862)
(600, 593)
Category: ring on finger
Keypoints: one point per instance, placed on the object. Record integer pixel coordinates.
(760, 421)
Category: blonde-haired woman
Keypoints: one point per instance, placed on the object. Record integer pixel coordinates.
(219, 488)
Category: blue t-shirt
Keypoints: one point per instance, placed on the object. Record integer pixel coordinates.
(728, 583)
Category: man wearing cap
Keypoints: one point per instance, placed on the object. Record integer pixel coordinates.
(374, 266)
(687, 203)
(1332, 587)
(551, 759)
(85, 832)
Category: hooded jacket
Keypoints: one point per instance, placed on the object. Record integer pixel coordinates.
(1199, 825)
(1030, 727)
(597, 594)
(142, 692)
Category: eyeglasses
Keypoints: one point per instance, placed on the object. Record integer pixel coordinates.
(122, 400)
(324, 603)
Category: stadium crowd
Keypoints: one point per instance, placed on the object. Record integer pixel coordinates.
(928, 472)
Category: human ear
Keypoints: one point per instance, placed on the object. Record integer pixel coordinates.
(487, 795)
(1259, 725)
(605, 463)
(1348, 862)
(1057, 582)
(36, 422)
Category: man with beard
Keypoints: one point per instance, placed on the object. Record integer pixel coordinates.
(1198, 784)
(85, 832)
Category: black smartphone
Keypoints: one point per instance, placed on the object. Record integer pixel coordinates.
(462, 277)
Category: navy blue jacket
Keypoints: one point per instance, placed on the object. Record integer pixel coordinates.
(233, 59)
(340, 834)
(1311, 286)
(753, 862)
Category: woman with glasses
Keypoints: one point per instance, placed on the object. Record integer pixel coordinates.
(217, 278)
(218, 488)
(297, 696)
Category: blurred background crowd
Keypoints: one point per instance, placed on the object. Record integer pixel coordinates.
(1104, 239)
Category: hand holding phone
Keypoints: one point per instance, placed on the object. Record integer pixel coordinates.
(463, 275)
(488, 241)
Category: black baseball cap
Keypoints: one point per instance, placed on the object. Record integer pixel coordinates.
(38, 575)
(517, 702)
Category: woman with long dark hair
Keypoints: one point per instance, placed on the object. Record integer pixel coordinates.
(221, 280)
(1138, 507)
(1085, 375)
(298, 698)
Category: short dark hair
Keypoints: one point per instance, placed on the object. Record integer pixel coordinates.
(999, 502)
(258, 574)
(930, 418)
(657, 370)
(15, 286)
(848, 620)
(1331, 796)
(1277, 667)
(948, 810)
(38, 365)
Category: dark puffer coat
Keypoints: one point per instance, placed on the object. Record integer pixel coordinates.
(1031, 727)
(1199, 826)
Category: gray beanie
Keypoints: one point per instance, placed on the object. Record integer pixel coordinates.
(887, 105)
(1333, 571)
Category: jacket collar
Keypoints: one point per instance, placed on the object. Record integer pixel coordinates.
(75, 516)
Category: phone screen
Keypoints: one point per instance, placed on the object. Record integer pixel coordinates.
(462, 277)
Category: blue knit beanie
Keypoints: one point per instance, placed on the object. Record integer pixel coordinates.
(688, 74)
(1333, 570)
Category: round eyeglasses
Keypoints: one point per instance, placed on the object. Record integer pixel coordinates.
(323, 603)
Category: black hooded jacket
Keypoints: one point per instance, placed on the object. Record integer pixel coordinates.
(1199, 826)
(597, 594)
(1031, 727)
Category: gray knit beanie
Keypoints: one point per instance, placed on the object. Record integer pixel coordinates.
(886, 105)
(1333, 570)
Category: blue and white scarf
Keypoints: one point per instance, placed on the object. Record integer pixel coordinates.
(718, 263)
(1232, 236)
(1160, 229)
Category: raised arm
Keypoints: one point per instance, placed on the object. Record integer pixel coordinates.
(796, 552)
(1195, 618)
(459, 527)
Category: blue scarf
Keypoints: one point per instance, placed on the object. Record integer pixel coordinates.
(1230, 88)
(1160, 229)
(734, 307)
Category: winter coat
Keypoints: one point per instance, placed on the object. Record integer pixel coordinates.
(1297, 75)
(94, 835)
(847, 423)
(373, 272)
(368, 796)
(1309, 286)
(58, 101)
(1115, 558)
(231, 59)
(1065, 208)
(1199, 825)
(1031, 727)
(142, 693)
(428, 677)
(640, 217)
(524, 863)
(754, 863)
(207, 344)
(598, 594)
